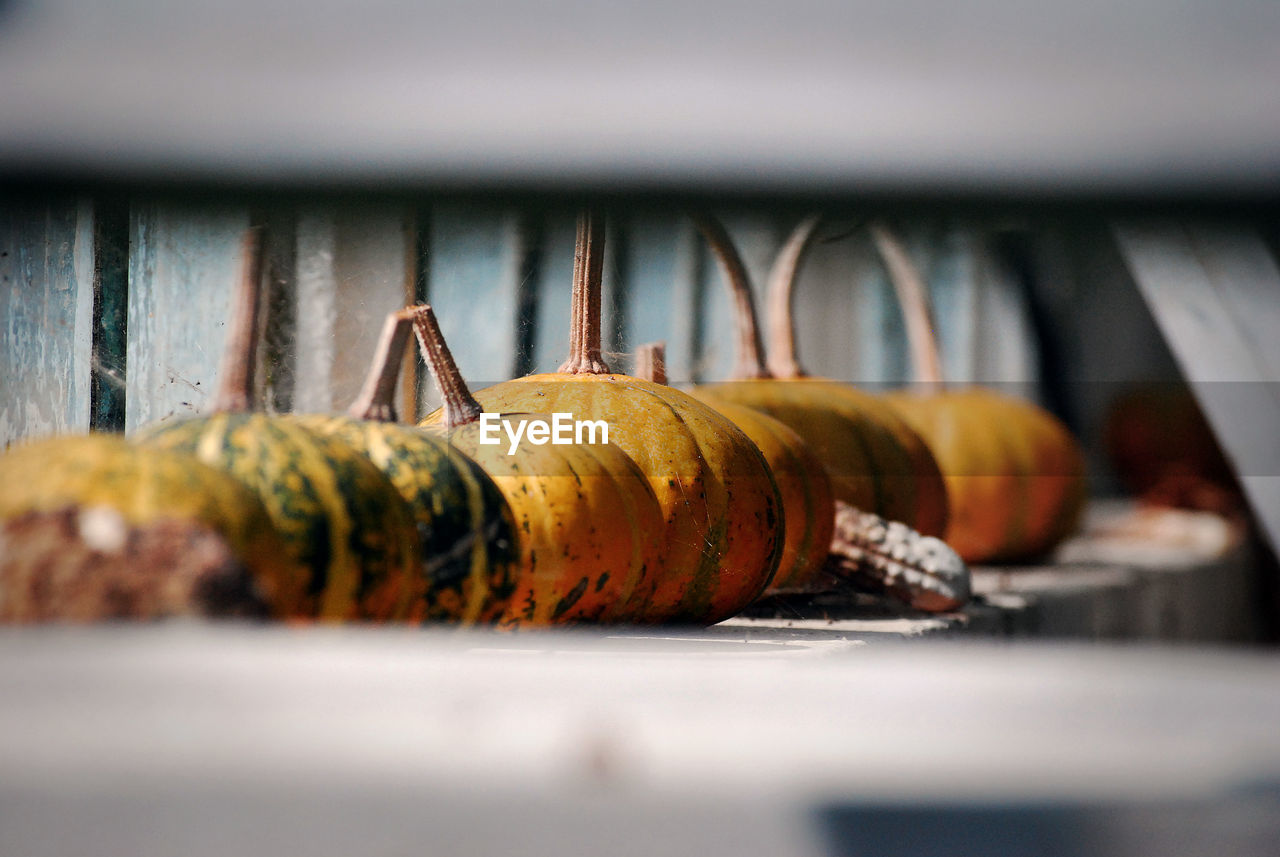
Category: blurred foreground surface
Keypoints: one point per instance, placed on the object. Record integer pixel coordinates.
(248, 740)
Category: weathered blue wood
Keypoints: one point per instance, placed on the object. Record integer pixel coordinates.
(182, 268)
(660, 265)
(551, 318)
(473, 286)
(46, 303)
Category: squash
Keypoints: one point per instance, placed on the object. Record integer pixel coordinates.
(339, 516)
(465, 527)
(588, 525)
(1014, 473)
(875, 461)
(803, 484)
(721, 510)
(96, 528)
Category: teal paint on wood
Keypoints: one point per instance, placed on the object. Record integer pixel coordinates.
(554, 289)
(46, 303)
(475, 267)
(182, 268)
(653, 271)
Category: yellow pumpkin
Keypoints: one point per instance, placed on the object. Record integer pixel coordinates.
(587, 523)
(1014, 473)
(132, 507)
(721, 510)
(875, 461)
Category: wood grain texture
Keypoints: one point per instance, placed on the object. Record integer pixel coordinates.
(182, 267)
(46, 307)
(1213, 291)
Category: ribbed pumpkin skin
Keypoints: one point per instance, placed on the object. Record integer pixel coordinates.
(467, 534)
(875, 460)
(807, 502)
(145, 486)
(589, 530)
(721, 510)
(1014, 474)
(338, 514)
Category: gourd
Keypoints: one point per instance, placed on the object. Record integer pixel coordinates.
(1015, 475)
(803, 484)
(587, 523)
(720, 507)
(465, 528)
(92, 527)
(875, 461)
(339, 516)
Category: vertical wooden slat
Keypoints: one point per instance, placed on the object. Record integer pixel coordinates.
(353, 266)
(46, 303)
(110, 315)
(182, 267)
(475, 271)
(550, 321)
(659, 267)
(316, 311)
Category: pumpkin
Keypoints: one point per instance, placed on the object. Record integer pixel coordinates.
(467, 534)
(1014, 473)
(587, 523)
(96, 528)
(339, 516)
(807, 503)
(875, 461)
(1164, 451)
(721, 510)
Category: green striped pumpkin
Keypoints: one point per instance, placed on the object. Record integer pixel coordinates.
(466, 530)
(338, 514)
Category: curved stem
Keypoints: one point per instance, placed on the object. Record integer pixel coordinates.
(377, 399)
(460, 407)
(588, 271)
(651, 362)
(749, 351)
(913, 298)
(783, 359)
(240, 353)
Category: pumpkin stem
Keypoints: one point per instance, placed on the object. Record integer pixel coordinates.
(749, 351)
(377, 399)
(460, 407)
(240, 353)
(651, 362)
(913, 298)
(783, 359)
(588, 271)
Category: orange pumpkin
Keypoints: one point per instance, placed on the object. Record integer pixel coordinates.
(808, 507)
(875, 461)
(722, 513)
(587, 524)
(1014, 473)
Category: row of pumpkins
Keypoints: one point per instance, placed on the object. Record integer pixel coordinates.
(702, 501)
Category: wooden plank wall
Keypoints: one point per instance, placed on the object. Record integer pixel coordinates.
(498, 277)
